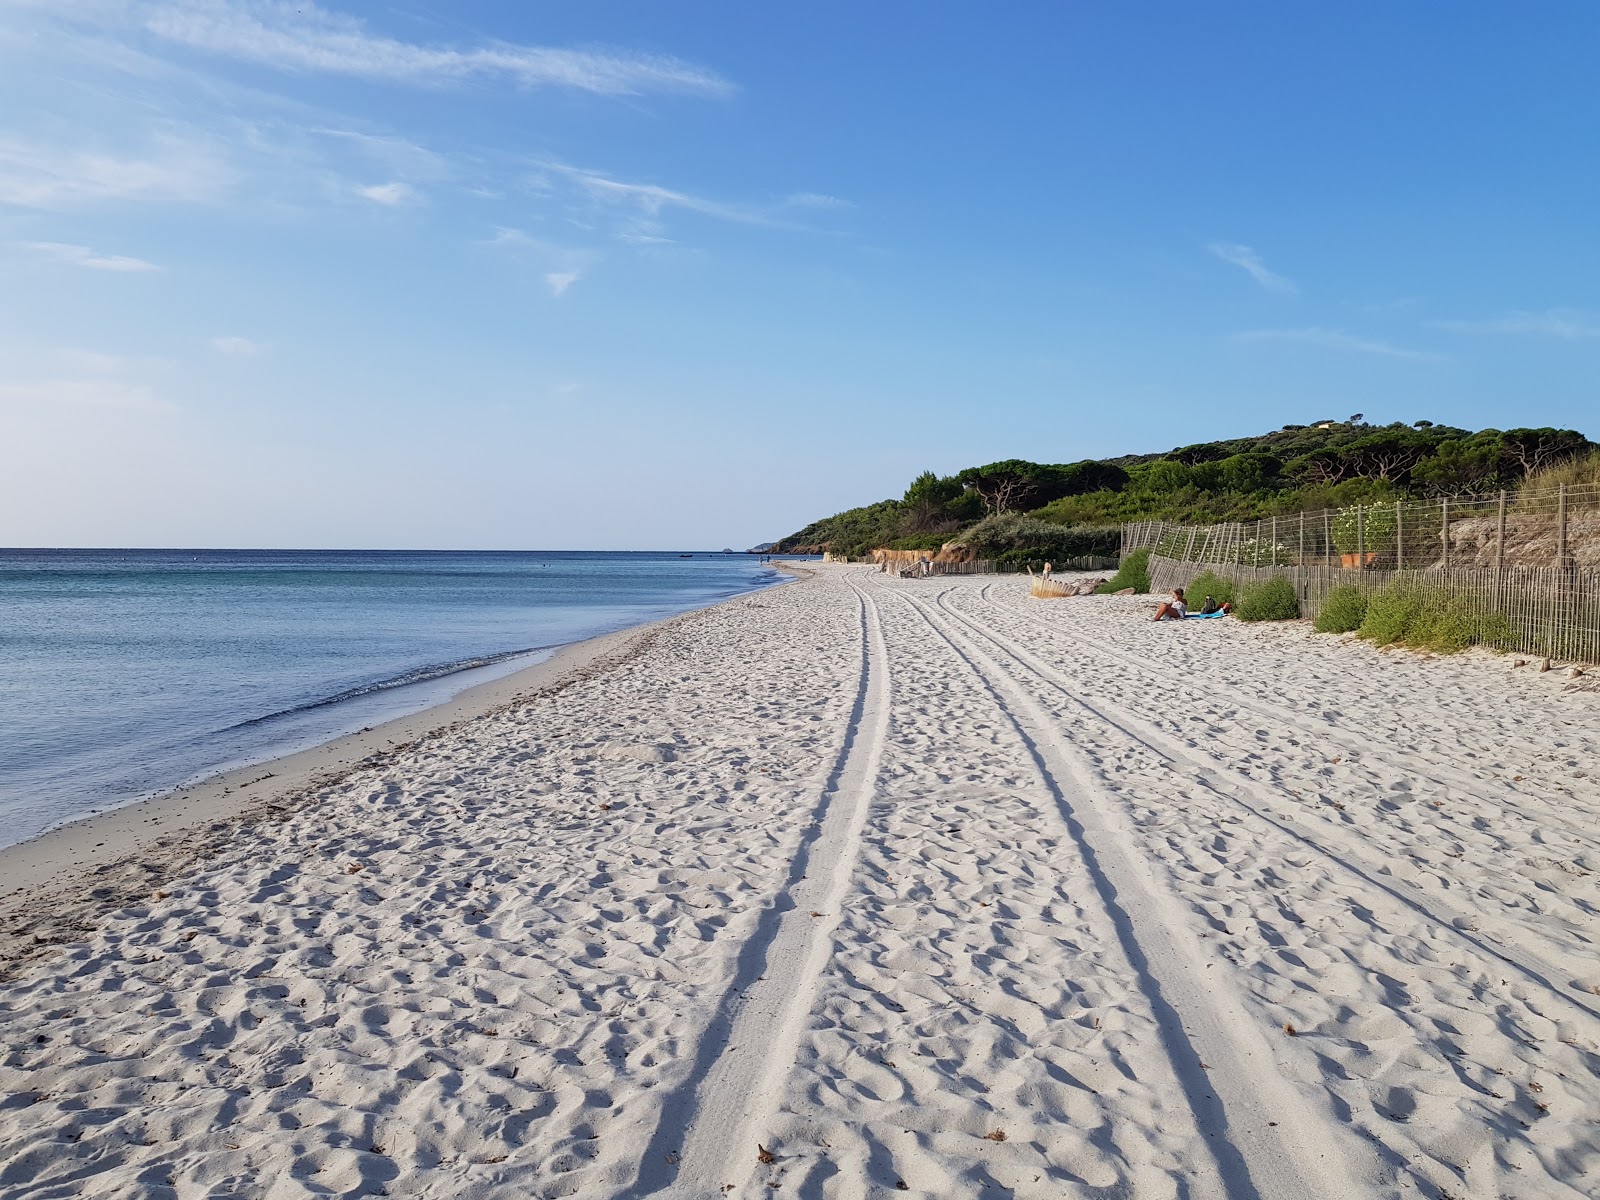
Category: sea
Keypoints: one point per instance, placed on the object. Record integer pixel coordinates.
(127, 673)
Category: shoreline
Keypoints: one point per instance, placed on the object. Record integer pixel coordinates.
(140, 844)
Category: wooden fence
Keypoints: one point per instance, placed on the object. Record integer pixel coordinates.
(1549, 611)
(1533, 559)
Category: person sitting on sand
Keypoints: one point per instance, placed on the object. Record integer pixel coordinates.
(1175, 609)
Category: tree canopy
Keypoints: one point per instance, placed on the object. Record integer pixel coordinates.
(1320, 464)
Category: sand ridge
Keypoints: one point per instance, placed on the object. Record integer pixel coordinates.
(865, 886)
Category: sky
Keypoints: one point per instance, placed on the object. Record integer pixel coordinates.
(625, 274)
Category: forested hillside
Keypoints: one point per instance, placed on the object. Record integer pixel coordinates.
(1022, 508)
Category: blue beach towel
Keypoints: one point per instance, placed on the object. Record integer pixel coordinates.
(1205, 616)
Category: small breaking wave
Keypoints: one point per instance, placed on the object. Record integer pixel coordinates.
(417, 675)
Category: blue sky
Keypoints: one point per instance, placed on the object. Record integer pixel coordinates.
(648, 275)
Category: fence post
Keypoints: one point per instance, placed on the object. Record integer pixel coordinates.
(1302, 558)
(1257, 562)
(1500, 536)
(1444, 529)
(1361, 537)
(1327, 533)
(1561, 525)
(1188, 551)
(1399, 538)
(1274, 555)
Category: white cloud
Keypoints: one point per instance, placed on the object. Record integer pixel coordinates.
(304, 37)
(48, 177)
(652, 198)
(83, 256)
(391, 195)
(647, 201)
(87, 393)
(1249, 261)
(815, 200)
(239, 347)
(1332, 339)
(1566, 323)
(563, 265)
(560, 281)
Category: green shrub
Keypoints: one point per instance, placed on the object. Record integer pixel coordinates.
(1446, 625)
(1133, 573)
(1206, 584)
(1273, 600)
(994, 535)
(1392, 613)
(920, 541)
(1343, 610)
(1497, 630)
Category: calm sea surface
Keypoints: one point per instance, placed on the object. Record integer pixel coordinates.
(129, 672)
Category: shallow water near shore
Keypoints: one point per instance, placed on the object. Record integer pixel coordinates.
(124, 673)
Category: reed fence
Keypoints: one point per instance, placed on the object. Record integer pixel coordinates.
(1535, 558)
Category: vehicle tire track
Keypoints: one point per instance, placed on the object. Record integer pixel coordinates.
(1265, 1141)
(705, 1143)
(1348, 856)
(1361, 749)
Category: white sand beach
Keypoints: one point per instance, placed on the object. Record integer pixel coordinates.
(861, 886)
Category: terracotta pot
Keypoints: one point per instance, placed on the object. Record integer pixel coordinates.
(1354, 562)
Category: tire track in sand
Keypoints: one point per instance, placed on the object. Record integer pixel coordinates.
(1356, 747)
(1347, 853)
(705, 1143)
(1267, 1143)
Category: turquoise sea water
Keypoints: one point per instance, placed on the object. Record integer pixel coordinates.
(124, 673)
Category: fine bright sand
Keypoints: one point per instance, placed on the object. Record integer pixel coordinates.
(867, 886)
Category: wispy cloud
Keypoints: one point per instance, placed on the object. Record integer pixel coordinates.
(83, 256)
(644, 204)
(560, 281)
(238, 347)
(44, 176)
(1248, 261)
(562, 266)
(651, 198)
(391, 195)
(1568, 323)
(1333, 339)
(305, 37)
(815, 200)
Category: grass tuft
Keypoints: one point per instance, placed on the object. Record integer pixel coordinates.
(1343, 610)
(1274, 600)
(1398, 615)
(1133, 573)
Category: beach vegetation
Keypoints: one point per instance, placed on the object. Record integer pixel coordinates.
(1423, 620)
(1272, 600)
(1391, 613)
(1342, 611)
(1208, 584)
(1021, 537)
(1133, 573)
(1349, 465)
(1579, 474)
